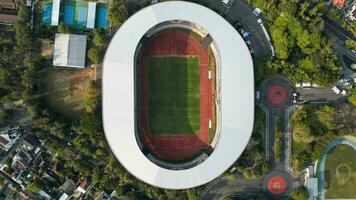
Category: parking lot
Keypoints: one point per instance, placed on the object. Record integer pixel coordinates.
(239, 12)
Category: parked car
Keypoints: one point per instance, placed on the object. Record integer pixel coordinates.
(257, 11)
(226, 2)
(237, 25)
(294, 97)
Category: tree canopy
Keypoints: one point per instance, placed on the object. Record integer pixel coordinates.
(117, 12)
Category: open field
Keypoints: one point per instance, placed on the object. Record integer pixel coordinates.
(340, 173)
(173, 95)
(66, 90)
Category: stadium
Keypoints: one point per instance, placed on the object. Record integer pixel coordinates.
(178, 95)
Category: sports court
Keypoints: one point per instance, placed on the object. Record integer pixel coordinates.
(75, 13)
(102, 16)
(175, 95)
(46, 13)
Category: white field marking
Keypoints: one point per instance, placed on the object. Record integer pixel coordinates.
(209, 123)
(209, 74)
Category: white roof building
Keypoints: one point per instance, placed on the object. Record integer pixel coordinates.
(55, 12)
(70, 50)
(91, 15)
(236, 116)
(312, 186)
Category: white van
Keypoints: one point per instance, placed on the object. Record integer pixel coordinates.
(226, 2)
(257, 11)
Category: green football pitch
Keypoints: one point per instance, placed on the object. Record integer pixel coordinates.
(340, 172)
(173, 95)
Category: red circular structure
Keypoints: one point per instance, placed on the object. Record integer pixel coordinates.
(277, 94)
(276, 185)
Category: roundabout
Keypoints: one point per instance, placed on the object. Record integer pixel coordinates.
(278, 184)
(122, 92)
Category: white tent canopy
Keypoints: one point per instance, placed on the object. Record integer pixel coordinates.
(55, 12)
(91, 15)
(70, 50)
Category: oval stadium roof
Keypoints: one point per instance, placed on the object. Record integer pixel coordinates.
(236, 86)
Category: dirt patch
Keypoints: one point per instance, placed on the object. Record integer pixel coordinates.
(46, 48)
(66, 90)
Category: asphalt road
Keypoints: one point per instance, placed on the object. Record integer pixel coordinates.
(225, 187)
(337, 30)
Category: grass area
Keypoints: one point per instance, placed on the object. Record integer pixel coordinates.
(66, 90)
(173, 95)
(278, 140)
(340, 172)
(298, 147)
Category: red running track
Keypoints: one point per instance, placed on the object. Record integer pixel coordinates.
(176, 147)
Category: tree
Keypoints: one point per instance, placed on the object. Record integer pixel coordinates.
(301, 131)
(117, 12)
(94, 55)
(99, 39)
(351, 44)
(325, 115)
(352, 96)
(63, 28)
(3, 76)
(301, 193)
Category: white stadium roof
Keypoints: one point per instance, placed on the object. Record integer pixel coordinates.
(236, 85)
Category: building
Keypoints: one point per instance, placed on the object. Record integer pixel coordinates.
(339, 3)
(8, 138)
(312, 186)
(8, 11)
(83, 186)
(56, 6)
(234, 94)
(70, 50)
(91, 14)
(351, 14)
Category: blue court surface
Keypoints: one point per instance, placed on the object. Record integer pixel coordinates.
(102, 17)
(82, 15)
(47, 13)
(69, 15)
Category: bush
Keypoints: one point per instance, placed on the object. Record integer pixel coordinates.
(352, 96)
(94, 55)
(62, 28)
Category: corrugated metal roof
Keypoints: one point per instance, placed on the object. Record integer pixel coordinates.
(70, 50)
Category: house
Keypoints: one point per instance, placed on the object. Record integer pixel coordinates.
(64, 197)
(70, 50)
(339, 3)
(67, 187)
(31, 142)
(351, 14)
(9, 137)
(8, 11)
(83, 186)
